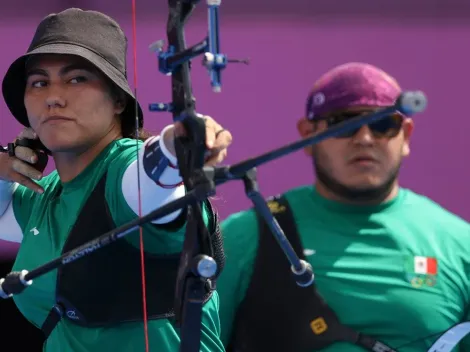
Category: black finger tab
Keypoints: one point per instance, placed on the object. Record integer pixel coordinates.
(37, 146)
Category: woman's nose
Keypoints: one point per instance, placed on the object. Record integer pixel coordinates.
(55, 96)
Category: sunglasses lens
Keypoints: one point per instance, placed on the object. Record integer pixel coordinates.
(335, 120)
(387, 127)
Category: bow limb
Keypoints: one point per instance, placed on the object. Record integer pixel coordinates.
(191, 285)
(190, 151)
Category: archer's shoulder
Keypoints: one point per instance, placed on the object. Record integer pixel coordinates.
(245, 222)
(431, 209)
(49, 182)
(25, 197)
(241, 221)
(122, 152)
(126, 145)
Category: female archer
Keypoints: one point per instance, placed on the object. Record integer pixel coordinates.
(71, 93)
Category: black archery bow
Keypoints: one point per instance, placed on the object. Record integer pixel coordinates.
(197, 265)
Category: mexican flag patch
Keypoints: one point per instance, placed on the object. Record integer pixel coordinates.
(422, 265)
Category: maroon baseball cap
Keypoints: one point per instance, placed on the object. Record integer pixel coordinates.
(349, 85)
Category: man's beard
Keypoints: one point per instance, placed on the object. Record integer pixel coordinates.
(366, 195)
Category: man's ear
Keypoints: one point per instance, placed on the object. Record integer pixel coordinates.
(408, 128)
(305, 129)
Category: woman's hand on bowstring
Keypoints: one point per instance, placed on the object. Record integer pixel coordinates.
(218, 139)
(19, 168)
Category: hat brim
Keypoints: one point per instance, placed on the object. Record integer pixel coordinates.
(13, 86)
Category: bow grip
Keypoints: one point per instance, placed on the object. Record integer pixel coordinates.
(194, 142)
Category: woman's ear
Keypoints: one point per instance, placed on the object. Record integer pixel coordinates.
(120, 103)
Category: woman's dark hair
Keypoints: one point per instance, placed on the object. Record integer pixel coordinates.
(129, 131)
(127, 124)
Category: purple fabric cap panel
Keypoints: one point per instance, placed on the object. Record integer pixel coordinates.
(351, 84)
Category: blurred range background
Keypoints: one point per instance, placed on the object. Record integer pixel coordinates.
(290, 43)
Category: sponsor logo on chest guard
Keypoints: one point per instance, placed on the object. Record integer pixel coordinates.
(72, 315)
(275, 207)
(318, 326)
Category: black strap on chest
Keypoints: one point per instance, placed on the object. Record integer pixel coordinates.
(104, 288)
(278, 315)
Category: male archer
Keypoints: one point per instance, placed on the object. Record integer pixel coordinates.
(392, 267)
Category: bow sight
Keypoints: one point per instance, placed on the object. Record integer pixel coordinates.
(171, 60)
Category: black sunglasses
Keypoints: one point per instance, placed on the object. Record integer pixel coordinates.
(387, 127)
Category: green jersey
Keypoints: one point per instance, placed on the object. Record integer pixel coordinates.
(399, 272)
(46, 220)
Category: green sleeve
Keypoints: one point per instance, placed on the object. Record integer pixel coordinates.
(157, 239)
(240, 234)
(22, 200)
(26, 201)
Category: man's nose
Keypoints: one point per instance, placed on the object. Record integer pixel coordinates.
(364, 136)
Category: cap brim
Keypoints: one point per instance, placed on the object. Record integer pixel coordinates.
(13, 86)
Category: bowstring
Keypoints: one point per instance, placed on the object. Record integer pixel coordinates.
(137, 140)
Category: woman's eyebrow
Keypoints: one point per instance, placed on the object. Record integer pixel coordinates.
(64, 70)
